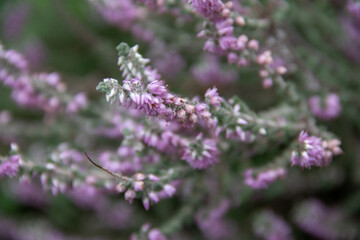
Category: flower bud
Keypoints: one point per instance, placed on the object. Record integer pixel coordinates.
(193, 118)
(154, 197)
(146, 203)
(267, 83)
(130, 195)
(120, 188)
(181, 114)
(169, 190)
(254, 44)
(281, 70)
(240, 21)
(139, 176)
(139, 186)
(153, 177)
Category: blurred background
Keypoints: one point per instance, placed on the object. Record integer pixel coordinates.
(319, 41)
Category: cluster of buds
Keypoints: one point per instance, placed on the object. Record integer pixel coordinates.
(143, 90)
(239, 49)
(313, 151)
(201, 153)
(43, 91)
(142, 186)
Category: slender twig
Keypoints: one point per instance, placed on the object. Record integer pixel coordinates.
(117, 175)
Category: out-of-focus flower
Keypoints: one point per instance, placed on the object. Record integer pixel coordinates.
(202, 153)
(326, 109)
(267, 225)
(264, 178)
(10, 167)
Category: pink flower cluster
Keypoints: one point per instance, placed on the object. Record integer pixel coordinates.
(10, 166)
(313, 151)
(201, 153)
(33, 90)
(238, 49)
(264, 178)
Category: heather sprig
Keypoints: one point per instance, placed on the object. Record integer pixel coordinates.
(43, 91)
(191, 126)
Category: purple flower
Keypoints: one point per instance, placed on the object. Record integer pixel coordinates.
(210, 72)
(79, 102)
(310, 152)
(267, 225)
(202, 153)
(263, 179)
(211, 9)
(323, 222)
(155, 234)
(139, 186)
(154, 197)
(170, 64)
(86, 196)
(15, 20)
(228, 43)
(213, 98)
(169, 190)
(213, 223)
(158, 88)
(225, 28)
(327, 110)
(119, 13)
(130, 195)
(10, 167)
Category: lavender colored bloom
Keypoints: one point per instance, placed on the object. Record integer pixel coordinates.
(267, 225)
(323, 222)
(210, 72)
(15, 19)
(138, 186)
(87, 196)
(228, 43)
(10, 167)
(30, 194)
(154, 197)
(36, 54)
(211, 9)
(119, 13)
(169, 190)
(202, 153)
(310, 152)
(213, 97)
(158, 88)
(155, 234)
(327, 110)
(80, 101)
(153, 178)
(263, 179)
(213, 224)
(70, 155)
(170, 63)
(130, 195)
(225, 28)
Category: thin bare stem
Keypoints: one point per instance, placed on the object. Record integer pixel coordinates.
(117, 175)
